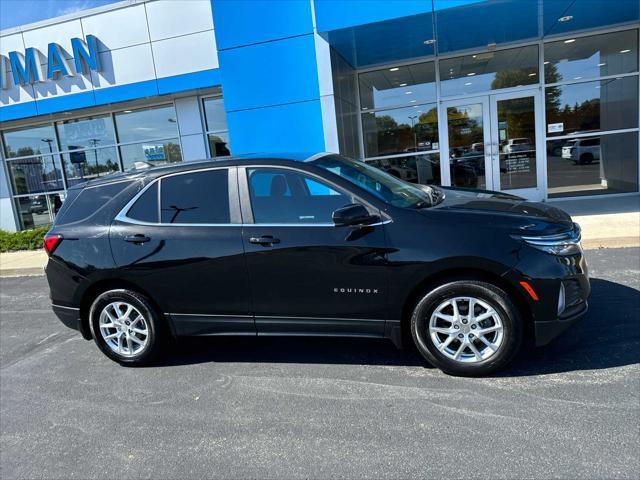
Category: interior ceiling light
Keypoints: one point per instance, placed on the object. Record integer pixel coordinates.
(566, 18)
(408, 93)
(626, 50)
(468, 83)
(602, 64)
(571, 40)
(431, 41)
(394, 69)
(547, 62)
(577, 78)
(403, 84)
(471, 74)
(412, 101)
(532, 74)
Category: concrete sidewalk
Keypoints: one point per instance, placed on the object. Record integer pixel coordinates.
(605, 222)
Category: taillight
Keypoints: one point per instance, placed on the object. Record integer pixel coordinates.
(51, 241)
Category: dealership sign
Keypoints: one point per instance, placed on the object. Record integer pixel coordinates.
(26, 68)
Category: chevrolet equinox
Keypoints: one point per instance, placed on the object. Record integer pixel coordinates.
(312, 245)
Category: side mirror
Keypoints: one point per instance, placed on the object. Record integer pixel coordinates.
(353, 214)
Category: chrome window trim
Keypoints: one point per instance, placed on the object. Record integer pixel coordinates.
(122, 215)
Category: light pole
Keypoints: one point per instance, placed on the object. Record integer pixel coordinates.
(94, 142)
(413, 129)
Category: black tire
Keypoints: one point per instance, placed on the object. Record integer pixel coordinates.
(586, 159)
(487, 293)
(154, 323)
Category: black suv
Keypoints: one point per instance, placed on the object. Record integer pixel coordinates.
(317, 245)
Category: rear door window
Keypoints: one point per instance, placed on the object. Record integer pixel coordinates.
(195, 198)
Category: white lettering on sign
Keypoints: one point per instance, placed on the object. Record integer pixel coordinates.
(555, 127)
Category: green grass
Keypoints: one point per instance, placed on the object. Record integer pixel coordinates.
(24, 240)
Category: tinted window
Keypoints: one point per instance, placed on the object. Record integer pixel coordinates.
(86, 132)
(588, 57)
(591, 106)
(200, 197)
(30, 141)
(146, 207)
(288, 196)
(489, 71)
(91, 201)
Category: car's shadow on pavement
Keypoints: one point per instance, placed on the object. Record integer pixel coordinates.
(608, 336)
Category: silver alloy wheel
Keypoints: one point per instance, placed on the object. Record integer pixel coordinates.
(466, 329)
(124, 329)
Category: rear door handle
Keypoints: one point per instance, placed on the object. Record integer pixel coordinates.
(137, 238)
(264, 240)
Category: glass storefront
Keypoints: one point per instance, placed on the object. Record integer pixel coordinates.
(44, 160)
(502, 124)
(216, 127)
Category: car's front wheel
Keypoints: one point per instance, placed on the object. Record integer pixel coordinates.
(467, 328)
(126, 327)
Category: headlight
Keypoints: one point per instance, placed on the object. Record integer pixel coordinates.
(566, 243)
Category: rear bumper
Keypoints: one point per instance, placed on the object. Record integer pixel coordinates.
(70, 317)
(548, 331)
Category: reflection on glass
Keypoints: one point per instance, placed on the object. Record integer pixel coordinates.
(38, 210)
(424, 168)
(35, 174)
(146, 124)
(517, 143)
(83, 165)
(30, 141)
(397, 86)
(214, 114)
(588, 57)
(86, 133)
(219, 144)
(466, 146)
(489, 71)
(139, 155)
(593, 165)
(400, 130)
(586, 107)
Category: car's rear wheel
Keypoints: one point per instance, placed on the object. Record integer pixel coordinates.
(126, 327)
(586, 159)
(467, 328)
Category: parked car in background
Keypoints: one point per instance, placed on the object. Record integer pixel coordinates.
(312, 245)
(582, 151)
(517, 145)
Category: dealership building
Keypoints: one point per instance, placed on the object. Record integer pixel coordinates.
(533, 97)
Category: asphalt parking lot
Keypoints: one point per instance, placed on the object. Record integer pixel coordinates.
(317, 408)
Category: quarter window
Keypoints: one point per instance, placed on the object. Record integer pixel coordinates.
(146, 207)
(288, 196)
(199, 197)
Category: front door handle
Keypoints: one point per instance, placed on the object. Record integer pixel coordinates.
(264, 240)
(137, 238)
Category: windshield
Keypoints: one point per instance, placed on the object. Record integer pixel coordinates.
(388, 188)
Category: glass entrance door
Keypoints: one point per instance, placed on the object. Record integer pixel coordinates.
(468, 133)
(516, 144)
(494, 142)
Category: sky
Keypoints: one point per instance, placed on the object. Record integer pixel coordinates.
(20, 12)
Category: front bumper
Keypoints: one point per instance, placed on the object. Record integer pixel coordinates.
(547, 331)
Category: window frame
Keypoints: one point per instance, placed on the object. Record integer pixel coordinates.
(234, 201)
